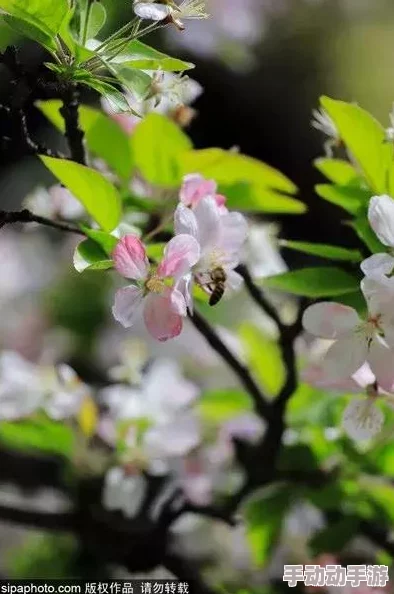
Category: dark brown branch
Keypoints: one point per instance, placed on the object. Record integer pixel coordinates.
(258, 296)
(25, 216)
(261, 405)
(44, 521)
(70, 113)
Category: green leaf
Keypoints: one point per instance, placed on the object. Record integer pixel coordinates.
(106, 241)
(116, 99)
(40, 434)
(337, 171)
(89, 255)
(223, 405)
(366, 140)
(349, 198)
(228, 167)
(97, 19)
(138, 83)
(332, 252)
(264, 357)
(253, 198)
(334, 537)
(45, 15)
(264, 515)
(26, 29)
(157, 145)
(313, 282)
(139, 55)
(366, 234)
(104, 137)
(97, 194)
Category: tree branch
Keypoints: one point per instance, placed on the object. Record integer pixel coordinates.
(261, 405)
(44, 521)
(258, 296)
(70, 114)
(25, 216)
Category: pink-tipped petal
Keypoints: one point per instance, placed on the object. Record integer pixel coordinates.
(185, 286)
(195, 188)
(130, 258)
(329, 320)
(127, 306)
(180, 254)
(160, 319)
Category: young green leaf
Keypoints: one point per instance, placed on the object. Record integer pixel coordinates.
(366, 234)
(313, 282)
(349, 198)
(331, 252)
(106, 241)
(97, 19)
(139, 55)
(251, 197)
(46, 16)
(228, 167)
(366, 140)
(157, 144)
(97, 194)
(338, 171)
(104, 137)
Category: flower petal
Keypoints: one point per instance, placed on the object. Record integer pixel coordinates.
(160, 319)
(346, 355)
(234, 280)
(329, 320)
(234, 230)
(378, 266)
(180, 254)
(185, 221)
(130, 258)
(195, 187)
(178, 303)
(381, 361)
(362, 419)
(185, 286)
(151, 11)
(208, 216)
(127, 305)
(381, 218)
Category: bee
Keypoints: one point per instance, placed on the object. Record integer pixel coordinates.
(216, 285)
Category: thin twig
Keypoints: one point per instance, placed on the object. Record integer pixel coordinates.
(261, 405)
(25, 216)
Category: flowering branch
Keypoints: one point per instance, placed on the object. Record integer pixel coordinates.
(260, 402)
(25, 216)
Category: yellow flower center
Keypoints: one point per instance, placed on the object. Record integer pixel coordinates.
(154, 284)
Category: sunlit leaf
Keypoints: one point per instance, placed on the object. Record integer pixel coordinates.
(139, 55)
(332, 252)
(313, 282)
(366, 140)
(338, 171)
(157, 144)
(350, 198)
(223, 405)
(95, 192)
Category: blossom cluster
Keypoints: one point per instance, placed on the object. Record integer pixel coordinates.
(205, 250)
(361, 355)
